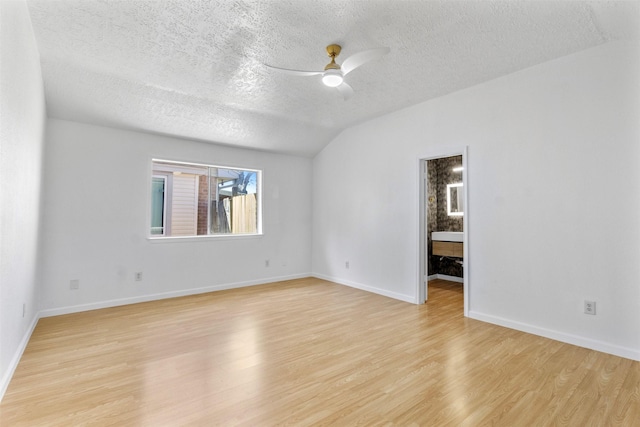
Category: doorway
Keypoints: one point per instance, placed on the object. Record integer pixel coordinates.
(444, 209)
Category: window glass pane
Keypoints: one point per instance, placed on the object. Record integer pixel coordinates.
(157, 205)
(235, 204)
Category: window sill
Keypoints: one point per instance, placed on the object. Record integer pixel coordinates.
(179, 239)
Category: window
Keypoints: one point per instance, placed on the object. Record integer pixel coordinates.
(195, 200)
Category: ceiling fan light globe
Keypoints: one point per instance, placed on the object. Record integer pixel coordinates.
(332, 78)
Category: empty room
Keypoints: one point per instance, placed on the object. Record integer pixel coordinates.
(329, 212)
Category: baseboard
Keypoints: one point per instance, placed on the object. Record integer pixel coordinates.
(8, 374)
(620, 351)
(164, 295)
(447, 277)
(627, 353)
(362, 287)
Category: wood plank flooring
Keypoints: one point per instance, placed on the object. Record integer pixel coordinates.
(310, 352)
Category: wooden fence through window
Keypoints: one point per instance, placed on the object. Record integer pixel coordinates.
(244, 214)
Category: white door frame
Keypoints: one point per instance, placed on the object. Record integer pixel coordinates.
(423, 252)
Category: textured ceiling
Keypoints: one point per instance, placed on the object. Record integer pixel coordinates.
(194, 69)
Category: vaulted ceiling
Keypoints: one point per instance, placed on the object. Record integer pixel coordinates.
(195, 68)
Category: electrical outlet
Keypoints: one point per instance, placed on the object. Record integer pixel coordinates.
(266, 263)
(589, 307)
(24, 309)
(74, 284)
(138, 276)
(346, 265)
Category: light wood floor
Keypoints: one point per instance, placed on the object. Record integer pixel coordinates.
(309, 352)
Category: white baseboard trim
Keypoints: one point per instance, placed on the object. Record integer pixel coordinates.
(616, 350)
(447, 277)
(605, 347)
(383, 292)
(163, 295)
(8, 374)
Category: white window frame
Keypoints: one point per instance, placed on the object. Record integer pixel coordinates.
(165, 237)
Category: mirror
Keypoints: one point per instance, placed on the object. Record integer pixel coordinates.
(455, 199)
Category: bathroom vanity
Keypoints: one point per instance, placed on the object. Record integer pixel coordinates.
(448, 243)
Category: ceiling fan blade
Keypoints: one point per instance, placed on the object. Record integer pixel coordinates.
(357, 59)
(300, 73)
(345, 90)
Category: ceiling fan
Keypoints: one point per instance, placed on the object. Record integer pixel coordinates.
(333, 74)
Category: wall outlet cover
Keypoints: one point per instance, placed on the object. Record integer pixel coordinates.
(589, 307)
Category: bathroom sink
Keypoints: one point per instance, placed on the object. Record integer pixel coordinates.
(448, 236)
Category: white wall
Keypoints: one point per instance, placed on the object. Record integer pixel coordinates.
(96, 215)
(22, 116)
(554, 179)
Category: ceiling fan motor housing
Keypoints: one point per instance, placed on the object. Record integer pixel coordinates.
(332, 75)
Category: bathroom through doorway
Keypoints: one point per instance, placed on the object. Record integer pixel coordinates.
(444, 222)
